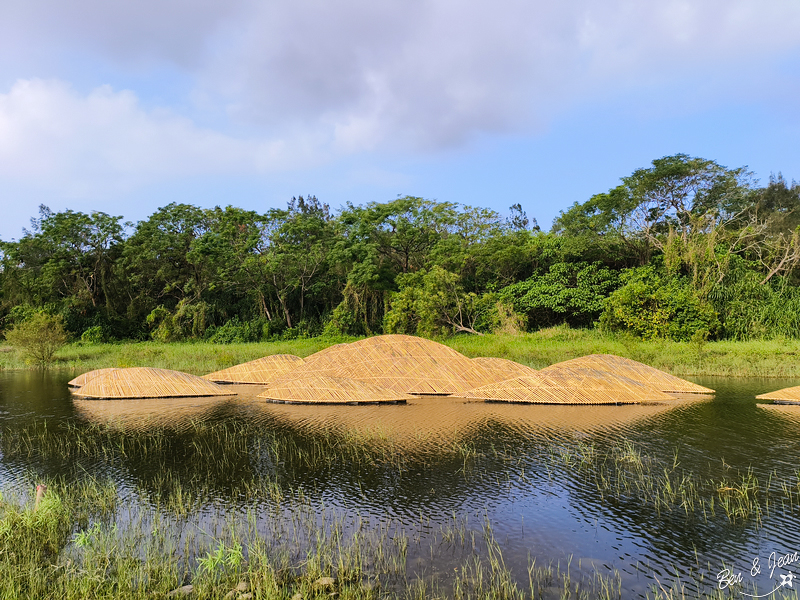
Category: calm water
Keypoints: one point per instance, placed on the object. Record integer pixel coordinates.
(466, 462)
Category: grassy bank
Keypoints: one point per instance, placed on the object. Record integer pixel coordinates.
(771, 358)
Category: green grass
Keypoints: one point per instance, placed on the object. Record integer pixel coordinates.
(768, 358)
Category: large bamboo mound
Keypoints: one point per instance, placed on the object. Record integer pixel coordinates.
(260, 371)
(402, 363)
(502, 368)
(81, 380)
(633, 370)
(569, 386)
(790, 395)
(147, 382)
(330, 390)
(411, 365)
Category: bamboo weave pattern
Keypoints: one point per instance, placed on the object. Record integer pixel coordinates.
(147, 382)
(260, 371)
(632, 370)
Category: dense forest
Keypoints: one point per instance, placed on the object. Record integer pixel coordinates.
(684, 249)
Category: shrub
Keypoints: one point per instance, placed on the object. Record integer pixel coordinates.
(94, 335)
(235, 331)
(38, 338)
(650, 305)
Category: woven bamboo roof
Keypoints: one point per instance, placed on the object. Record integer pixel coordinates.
(789, 395)
(502, 368)
(569, 386)
(330, 390)
(81, 380)
(401, 363)
(147, 382)
(633, 370)
(260, 371)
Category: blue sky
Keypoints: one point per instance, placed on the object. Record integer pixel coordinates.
(126, 106)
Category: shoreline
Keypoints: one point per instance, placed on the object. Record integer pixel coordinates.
(768, 359)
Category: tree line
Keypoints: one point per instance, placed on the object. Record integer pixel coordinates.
(684, 249)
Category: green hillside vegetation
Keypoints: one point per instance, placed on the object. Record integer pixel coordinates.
(685, 250)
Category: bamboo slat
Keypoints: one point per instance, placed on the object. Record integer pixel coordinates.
(330, 390)
(81, 380)
(569, 386)
(147, 382)
(260, 371)
(402, 363)
(632, 370)
(788, 395)
(502, 368)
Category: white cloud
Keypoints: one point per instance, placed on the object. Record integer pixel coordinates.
(105, 140)
(313, 79)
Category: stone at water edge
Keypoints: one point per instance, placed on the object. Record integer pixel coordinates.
(325, 581)
(242, 587)
(181, 591)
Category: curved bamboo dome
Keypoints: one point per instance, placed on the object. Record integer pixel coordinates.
(330, 390)
(503, 368)
(147, 382)
(410, 365)
(790, 395)
(260, 371)
(402, 363)
(569, 386)
(81, 380)
(632, 370)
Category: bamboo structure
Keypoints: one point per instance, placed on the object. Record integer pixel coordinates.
(261, 371)
(401, 363)
(569, 386)
(330, 390)
(147, 382)
(632, 370)
(81, 380)
(790, 395)
(502, 368)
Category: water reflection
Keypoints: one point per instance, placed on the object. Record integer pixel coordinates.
(422, 463)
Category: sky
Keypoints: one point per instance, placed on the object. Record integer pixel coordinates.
(124, 107)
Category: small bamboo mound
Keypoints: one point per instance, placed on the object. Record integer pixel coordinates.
(81, 380)
(633, 370)
(260, 371)
(790, 395)
(147, 382)
(323, 363)
(502, 368)
(569, 386)
(330, 390)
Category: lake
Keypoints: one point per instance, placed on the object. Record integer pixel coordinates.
(647, 499)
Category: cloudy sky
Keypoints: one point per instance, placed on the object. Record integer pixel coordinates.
(124, 106)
